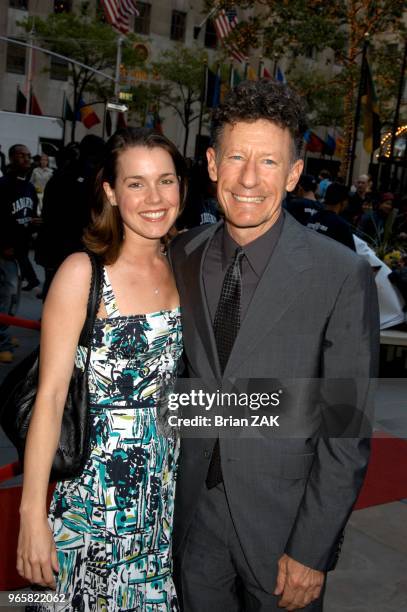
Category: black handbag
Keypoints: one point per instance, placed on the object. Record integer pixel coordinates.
(19, 389)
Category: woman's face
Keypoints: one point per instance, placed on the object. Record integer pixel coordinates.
(146, 191)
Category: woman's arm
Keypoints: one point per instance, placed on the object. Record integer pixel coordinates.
(63, 318)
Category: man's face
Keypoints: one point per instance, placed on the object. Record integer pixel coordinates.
(21, 159)
(43, 161)
(361, 185)
(386, 207)
(253, 168)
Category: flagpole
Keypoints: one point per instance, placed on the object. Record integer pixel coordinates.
(358, 107)
(275, 65)
(64, 119)
(117, 79)
(219, 75)
(104, 119)
(246, 68)
(29, 72)
(203, 94)
(260, 68)
(231, 75)
(397, 113)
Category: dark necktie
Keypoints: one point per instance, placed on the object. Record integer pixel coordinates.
(226, 326)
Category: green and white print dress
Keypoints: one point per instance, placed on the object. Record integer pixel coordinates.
(113, 524)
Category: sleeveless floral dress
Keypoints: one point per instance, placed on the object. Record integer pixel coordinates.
(113, 524)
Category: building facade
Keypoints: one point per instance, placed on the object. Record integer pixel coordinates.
(160, 25)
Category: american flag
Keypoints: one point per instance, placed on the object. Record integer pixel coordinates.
(118, 13)
(225, 22)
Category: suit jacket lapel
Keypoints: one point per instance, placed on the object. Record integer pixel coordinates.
(279, 286)
(198, 306)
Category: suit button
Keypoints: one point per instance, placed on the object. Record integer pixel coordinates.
(207, 453)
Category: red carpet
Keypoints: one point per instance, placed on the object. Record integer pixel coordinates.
(386, 479)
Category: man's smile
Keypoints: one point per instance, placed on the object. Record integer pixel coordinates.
(248, 199)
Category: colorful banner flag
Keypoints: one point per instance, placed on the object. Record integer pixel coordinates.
(21, 101)
(67, 113)
(237, 78)
(154, 120)
(87, 115)
(266, 74)
(251, 74)
(340, 146)
(225, 22)
(280, 77)
(118, 13)
(35, 108)
(313, 143)
(371, 119)
(213, 87)
(329, 145)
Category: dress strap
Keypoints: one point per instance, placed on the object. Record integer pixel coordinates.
(109, 298)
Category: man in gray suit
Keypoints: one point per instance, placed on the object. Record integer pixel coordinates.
(259, 520)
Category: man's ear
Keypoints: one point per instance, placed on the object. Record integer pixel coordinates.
(294, 174)
(212, 168)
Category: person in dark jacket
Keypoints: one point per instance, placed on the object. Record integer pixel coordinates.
(328, 221)
(305, 205)
(66, 207)
(18, 209)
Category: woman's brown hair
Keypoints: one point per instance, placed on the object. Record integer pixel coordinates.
(104, 236)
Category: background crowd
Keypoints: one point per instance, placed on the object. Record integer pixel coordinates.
(46, 210)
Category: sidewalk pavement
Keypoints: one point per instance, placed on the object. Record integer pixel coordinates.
(371, 575)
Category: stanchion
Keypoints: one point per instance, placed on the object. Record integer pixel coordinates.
(6, 319)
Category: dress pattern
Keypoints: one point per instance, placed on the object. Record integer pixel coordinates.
(113, 524)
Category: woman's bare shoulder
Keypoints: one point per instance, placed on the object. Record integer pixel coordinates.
(72, 281)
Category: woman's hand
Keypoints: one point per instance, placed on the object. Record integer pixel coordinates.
(36, 553)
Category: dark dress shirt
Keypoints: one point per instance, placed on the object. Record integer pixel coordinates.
(221, 254)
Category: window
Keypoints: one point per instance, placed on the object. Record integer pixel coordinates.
(211, 39)
(142, 20)
(178, 22)
(15, 58)
(59, 69)
(19, 4)
(311, 52)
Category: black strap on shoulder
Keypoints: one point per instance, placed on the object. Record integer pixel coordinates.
(95, 296)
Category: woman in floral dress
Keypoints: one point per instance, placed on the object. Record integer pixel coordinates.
(106, 543)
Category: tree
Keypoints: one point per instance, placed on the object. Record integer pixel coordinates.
(183, 69)
(87, 40)
(292, 27)
(387, 60)
(146, 96)
(323, 96)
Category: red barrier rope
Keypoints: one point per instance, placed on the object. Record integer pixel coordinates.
(10, 471)
(6, 319)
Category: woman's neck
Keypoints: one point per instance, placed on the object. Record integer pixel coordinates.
(140, 250)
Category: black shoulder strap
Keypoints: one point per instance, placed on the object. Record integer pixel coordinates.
(95, 296)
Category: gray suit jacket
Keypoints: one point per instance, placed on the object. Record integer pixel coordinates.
(314, 315)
